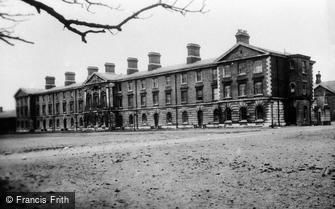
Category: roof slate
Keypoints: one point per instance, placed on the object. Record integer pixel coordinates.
(330, 85)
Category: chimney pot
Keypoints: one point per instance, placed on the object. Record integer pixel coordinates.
(318, 78)
(193, 53)
(49, 82)
(242, 36)
(69, 78)
(154, 61)
(110, 67)
(132, 65)
(91, 70)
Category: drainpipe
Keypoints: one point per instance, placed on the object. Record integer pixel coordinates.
(136, 118)
(176, 98)
(271, 113)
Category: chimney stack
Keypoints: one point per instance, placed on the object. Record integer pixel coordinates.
(318, 78)
(91, 70)
(110, 67)
(242, 36)
(49, 82)
(193, 53)
(70, 78)
(132, 65)
(154, 61)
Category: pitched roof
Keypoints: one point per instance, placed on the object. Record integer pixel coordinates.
(329, 85)
(8, 114)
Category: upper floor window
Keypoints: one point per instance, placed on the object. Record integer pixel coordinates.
(258, 66)
(130, 86)
(242, 69)
(143, 100)
(72, 94)
(50, 109)
(291, 64)
(258, 87)
(184, 96)
(215, 93)
(168, 80)
(304, 67)
(118, 87)
(71, 106)
(227, 91)
(168, 97)
(292, 87)
(64, 95)
(198, 77)
(184, 78)
(155, 98)
(214, 74)
(143, 84)
(242, 89)
(199, 94)
(226, 71)
(130, 101)
(155, 83)
(119, 101)
(304, 88)
(64, 107)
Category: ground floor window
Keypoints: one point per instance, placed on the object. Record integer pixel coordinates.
(144, 119)
(216, 115)
(228, 114)
(131, 120)
(81, 122)
(243, 113)
(259, 112)
(184, 117)
(169, 117)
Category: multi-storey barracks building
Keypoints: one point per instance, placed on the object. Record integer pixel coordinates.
(246, 85)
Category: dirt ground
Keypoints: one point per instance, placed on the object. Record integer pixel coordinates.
(291, 167)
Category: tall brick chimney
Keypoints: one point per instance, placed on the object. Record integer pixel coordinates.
(70, 78)
(49, 82)
(318, 78)
(193, 53)
(154, 61)
(132, 65)
(91, 70)
(110, 67)
(242, 36)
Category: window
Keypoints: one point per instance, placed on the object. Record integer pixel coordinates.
(142, 84)
(168, 80)
(258, 67)
(57, 123)
(64, 95)
(131, 120)
(43, 109)
(130, 101)
(243, 113)
(64, 107)
(304, 88)
(198, 77)
(226, 71)
(155, 83)
(72, 122)
(199, 94)
(184, 78)
(258, 87)
(130, 86)
(291, 64)
(169, 118)
(303, 67)
(81, 122)
(118, 87)
(216, 116)
(259, 112)
(88, 101)
(242, 68)
(144, 119)
(292, 87)
(155, 98)
(143, 100)
(227, 91)
(50, 109)
(95, 100)
(50, 123)
(168, 97)
(80, 105)
(184, 96)
(57, 108)
(103, 99)
(242, 89)
(305, 112)
(72, 94)
(214, 74)
(71, 106)
(119, 101)
(184, 117)
(215, 93)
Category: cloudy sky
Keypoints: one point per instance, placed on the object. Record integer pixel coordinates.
(295, 26)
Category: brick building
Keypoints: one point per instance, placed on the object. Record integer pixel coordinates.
(246, 85)
(324, 102)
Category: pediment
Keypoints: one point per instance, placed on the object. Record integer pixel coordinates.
(20, 93)
(241, 51)
(94, 78)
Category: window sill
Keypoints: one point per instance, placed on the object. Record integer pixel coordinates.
(185, 102)
(243, 121)
(228, 122)
(199, 100)
(242, 74)
(259, 121)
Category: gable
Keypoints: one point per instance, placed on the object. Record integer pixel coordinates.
(94, 78)
(239, 52)
(20, 93)
(322, 91)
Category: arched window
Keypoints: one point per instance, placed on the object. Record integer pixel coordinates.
(168, 117)
(243, 113)
(228, 114)
(72, 122)
(95, 100)
(144, 119)
(81, 122)
(103, 99)
(88, 101)
(184, 117)
(259, 112)
(216, 116)
(131, 120)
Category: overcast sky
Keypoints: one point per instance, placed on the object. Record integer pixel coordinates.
(299, 26)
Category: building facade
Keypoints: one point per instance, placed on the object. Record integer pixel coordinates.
(246, 85)
(324, 102)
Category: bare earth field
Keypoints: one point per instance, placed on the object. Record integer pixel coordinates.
(291, 167)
